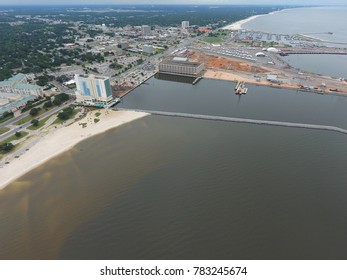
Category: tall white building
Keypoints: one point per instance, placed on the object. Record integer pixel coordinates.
(148, 49)
(146, 30)
(93, 90)
(185, 24)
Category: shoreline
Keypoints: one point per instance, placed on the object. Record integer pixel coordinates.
(234, 77)
(55, 142)
(238, 24)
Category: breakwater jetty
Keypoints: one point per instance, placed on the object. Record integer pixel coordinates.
(242, 120)
(313, 51)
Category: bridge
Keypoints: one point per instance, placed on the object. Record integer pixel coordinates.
(242, 120)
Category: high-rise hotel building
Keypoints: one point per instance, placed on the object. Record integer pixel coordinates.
(185, 24)
(93, 90)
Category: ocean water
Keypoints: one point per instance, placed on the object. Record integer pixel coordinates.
(174, 188)
(213, 97)
(328, 65)
(315, 22)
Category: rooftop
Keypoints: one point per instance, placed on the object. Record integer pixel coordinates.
(27, 86)
(17, 77)
(181, 62)
(91, 76)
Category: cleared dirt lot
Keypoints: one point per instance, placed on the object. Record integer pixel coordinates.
(216, 62)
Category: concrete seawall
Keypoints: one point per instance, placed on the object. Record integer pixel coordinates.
(241, 120)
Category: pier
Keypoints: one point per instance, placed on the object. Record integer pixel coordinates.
(240, 88)
(243, 120)
(197, 80)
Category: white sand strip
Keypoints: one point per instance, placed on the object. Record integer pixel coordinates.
(60, 140)
(238, 24)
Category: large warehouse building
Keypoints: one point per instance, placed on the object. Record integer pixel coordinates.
(180, 66)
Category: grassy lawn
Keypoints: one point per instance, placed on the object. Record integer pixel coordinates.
(215, 37)
(29, 118)
(13, 137)
(4, 130)
(41, 124)
(213, 40)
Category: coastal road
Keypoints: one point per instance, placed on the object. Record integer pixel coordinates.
(11, 121)
(23, 126)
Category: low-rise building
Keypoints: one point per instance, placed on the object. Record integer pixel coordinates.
(273, 79)
(18, 84)
(123, 45)
(181, 66)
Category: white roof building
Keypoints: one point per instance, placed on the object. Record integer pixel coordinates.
(273, 50)
(260, 54)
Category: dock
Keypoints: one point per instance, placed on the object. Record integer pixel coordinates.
(241, 88)
(197, 80)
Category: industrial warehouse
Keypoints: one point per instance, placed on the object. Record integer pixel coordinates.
(180, 66)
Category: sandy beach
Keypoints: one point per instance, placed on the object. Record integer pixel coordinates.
(59, 140)
(238, 24)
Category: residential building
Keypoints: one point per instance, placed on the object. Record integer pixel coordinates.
(93, 90)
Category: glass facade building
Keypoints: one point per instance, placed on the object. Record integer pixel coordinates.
(93, 90)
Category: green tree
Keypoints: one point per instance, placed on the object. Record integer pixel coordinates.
(7, 114)
(57, 102)
(35, 122)
(18, 134)
(47, 104)
(63, 96)
(6, 147)
(66, 113)
(34, 111)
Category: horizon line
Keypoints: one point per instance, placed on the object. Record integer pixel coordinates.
(167, 4)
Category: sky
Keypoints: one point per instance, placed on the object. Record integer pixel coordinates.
(216, 2)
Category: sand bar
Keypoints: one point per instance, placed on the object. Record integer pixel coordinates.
(59, 140)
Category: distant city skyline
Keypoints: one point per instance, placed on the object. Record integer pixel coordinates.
(161, 2)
